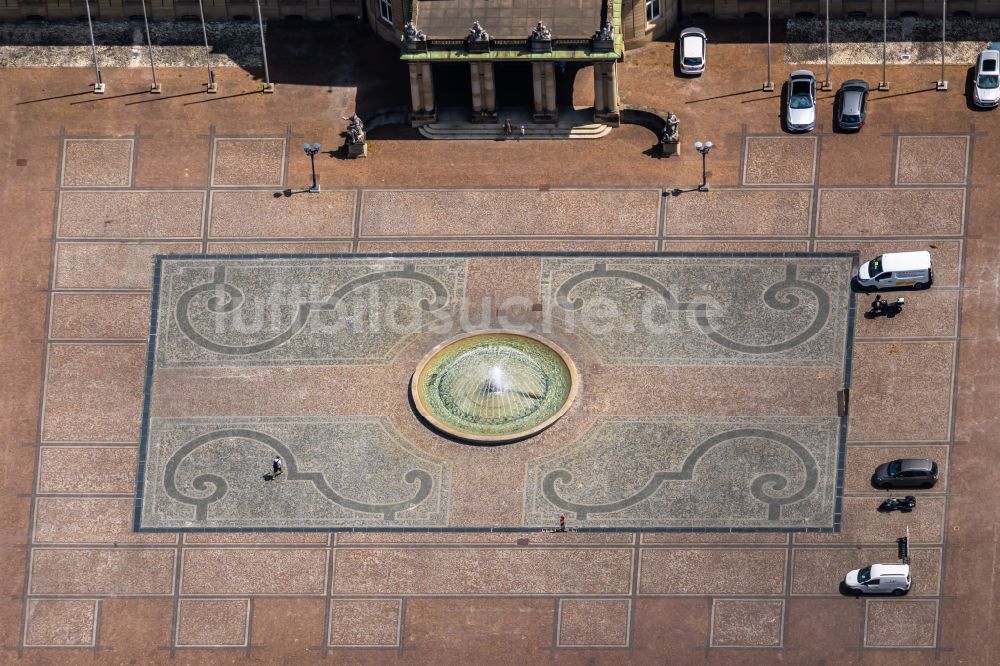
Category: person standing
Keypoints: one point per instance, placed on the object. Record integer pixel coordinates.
(278, 465)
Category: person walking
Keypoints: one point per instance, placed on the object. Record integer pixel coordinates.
(508, 128)
(278, 465)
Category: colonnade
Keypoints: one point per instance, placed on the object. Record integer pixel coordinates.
(423, 107)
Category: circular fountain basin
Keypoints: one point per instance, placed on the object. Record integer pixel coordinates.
(494, 386)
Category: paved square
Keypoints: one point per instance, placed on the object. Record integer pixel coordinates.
(594, 622)
(780, 160)
(97, 162)
(747, 622)
(242, 336)
(248, 161)
(927, 160)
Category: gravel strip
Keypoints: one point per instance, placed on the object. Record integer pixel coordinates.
(909, 41)
(123, 44)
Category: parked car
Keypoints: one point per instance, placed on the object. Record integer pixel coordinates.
(986, 89)
(906, 473)
(893, 270)
(693, 50)
(852, 104)
(800, 116)
(879, 579)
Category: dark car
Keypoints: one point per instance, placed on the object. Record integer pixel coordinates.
(906, 473)
(852, 104)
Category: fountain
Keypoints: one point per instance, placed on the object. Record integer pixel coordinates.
(494, 386)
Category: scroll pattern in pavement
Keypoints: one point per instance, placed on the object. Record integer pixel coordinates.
(299, 312)
(769, 472)
(705, 311)
(343, 471)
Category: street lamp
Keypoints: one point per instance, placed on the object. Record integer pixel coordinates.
(942, 85)
(703, 148)
(311, 150)
(884, 83)
(768, 84)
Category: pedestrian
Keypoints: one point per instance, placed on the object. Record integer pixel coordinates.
(508, 128)
(278, 464)
(522, 131)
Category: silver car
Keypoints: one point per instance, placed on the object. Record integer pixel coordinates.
(800, 115)
(693, 50)
(852, 104)
(986, 91)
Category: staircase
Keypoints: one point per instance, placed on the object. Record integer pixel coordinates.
(572, 124)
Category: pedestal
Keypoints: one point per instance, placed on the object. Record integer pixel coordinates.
(355, 150)
(670, 149)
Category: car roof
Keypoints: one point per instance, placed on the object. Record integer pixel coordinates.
(687, 32)
(802, 74)
(852, 100)
(922, 464)
(854, 83)
(890, 570)
(906, 261)
(989, 55)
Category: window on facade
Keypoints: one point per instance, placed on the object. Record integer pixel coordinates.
(385, 10)
(652, 10)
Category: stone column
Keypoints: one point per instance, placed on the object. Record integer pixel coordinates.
(536, 84)
(484, 97)
(422, 109)
(606, 104)
(550, 90)
(427, 80)
(489, 90)
(544, 83)
(477, 90)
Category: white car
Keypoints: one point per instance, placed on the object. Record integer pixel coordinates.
(986, 91)
(800, 116)
(879, 579)
(693, 50)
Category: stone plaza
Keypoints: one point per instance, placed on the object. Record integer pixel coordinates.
(178, 309)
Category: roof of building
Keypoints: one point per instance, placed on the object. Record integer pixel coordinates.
(507, 19)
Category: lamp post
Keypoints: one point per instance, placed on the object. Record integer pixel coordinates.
(99, 84)
(703, 148)
(826, 81)
(884, 83)
(268, 86)
(942, 84)
(211, 86)
(311, 150)
(768, 84)
(155, 88)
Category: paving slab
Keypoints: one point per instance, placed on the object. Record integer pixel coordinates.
(926, 160)
(93, 316)
(212, 622)
(257, 571)
(132, 214)
(891, 212)
(739, 212)
(901, 623)
(711, 571)
(780, 160)
(102, 571)
(248, 161)
(61, 622)
(365, 622)
(94, 266)
(593, 623)
(257, 214)
(87, 469)
(90, 520)
(861, 462)
(93, 393)
(747, 623)
(508, 212)
(103, 162)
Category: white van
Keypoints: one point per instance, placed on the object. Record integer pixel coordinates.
(879, 579)
(897, 269)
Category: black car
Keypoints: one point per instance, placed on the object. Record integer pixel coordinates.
(852, 104)
(906, 473)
